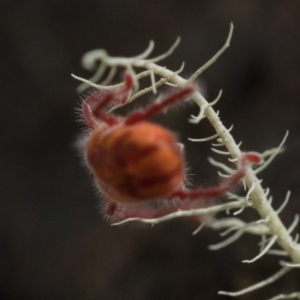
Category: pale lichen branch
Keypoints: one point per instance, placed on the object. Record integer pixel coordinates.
(277, 252)
(264, 251)
(214, 58)
(285, 202)
(259, 198)
(289, 264)
(237, 225)
(258, 285)
(187, 213)
(273, 155)
(295, 295)
(221, 165)
(201, 115)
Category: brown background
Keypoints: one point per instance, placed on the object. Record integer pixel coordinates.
(53, 242)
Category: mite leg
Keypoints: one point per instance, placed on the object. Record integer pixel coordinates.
(94, 105)
(218, 191)
(158, 107)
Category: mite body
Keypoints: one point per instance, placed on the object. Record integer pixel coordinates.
(135, 161)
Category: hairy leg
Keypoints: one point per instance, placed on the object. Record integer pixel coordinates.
(220, 190)
(94, 105)
(158, 107)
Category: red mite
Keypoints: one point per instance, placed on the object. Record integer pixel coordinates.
(135, 162)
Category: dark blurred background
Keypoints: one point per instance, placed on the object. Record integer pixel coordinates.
(54, 244)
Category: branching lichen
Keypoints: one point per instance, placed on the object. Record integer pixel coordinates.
(269, 227)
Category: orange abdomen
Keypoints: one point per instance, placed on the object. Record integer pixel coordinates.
(136, 163)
